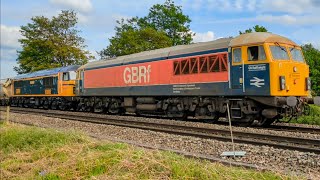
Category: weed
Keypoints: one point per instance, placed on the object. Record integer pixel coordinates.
(313, 118)
(28, 138)
(47, 154)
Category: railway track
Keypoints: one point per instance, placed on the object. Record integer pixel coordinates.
(276, 127)
(281, 142)
(295, 129)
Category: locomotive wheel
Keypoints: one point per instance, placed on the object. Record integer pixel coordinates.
(54, 105)
(87, 105)
(265, 122)
(184, 117)
(63, 106)
(114, 108)
(214, 119)
(37, 103)
(98, 107)
(88, 109)
(46, 104)
(20, 103)
(25, 103)
(73, 106)
(80, 107)
(173, 112)
(246, 121)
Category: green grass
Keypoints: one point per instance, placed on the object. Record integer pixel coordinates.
(33, 153)
(313, 118)
(17, 139)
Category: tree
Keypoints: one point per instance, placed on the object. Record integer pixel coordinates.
(164, 26)
(169, 18)
(136, 40)
(50, 43)
(256, 28)
(312, 56)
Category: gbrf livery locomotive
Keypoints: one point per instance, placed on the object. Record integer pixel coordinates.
(262, 76)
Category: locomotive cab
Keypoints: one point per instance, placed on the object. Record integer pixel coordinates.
(266, 64)
(269, 71)
(67, 82)
(288, 70)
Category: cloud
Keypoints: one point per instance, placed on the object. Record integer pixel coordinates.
(196, 5)
(8, 61)
(10, 36)
(6, 69)
(251, 5)
(239, 4)
(264, 6)
(306, 36)
(9, 46)
(289, 19)
(289, 6)
(204, 37)
(84, 6)
(8, 54)
(83, 19)
(293, 20)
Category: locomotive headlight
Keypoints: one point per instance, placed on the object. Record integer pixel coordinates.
(308, 84)
(282, 83)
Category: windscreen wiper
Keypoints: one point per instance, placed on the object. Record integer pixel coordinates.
(283, 49)
(294, 46)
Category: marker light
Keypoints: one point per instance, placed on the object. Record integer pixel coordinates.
(282, 83)
(308, 84)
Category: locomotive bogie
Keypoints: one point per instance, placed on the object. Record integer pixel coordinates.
(244, 111)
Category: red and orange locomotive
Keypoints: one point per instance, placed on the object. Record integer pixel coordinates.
(262, 76)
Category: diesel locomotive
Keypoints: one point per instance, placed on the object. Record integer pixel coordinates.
(261, 76)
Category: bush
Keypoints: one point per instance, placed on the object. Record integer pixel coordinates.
(313, 118)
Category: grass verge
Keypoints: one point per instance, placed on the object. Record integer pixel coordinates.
(313, 118)
(33, 153)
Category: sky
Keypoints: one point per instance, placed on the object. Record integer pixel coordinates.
(299, 20)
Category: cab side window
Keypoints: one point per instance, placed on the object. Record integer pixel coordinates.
(237, 56)
(65, 76)
(72, 75)
(48, 82)
(256, 53)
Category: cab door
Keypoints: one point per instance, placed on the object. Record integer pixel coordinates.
(79, 82)
(236, 69)
(256, 68)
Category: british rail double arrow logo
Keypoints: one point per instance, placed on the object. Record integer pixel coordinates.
(256, 82)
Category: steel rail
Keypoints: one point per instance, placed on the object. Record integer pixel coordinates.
(295, 129)
(276, 127)
(273, 127)
(282, 142)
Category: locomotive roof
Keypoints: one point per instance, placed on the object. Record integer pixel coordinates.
(161, 54)
(259, 37)
(47, 72)
(179, 51)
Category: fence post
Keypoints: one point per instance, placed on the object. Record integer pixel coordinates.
(8, 115)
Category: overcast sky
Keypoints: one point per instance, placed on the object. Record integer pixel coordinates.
(298, 20)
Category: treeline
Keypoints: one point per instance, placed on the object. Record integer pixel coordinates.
(55, 42)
